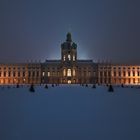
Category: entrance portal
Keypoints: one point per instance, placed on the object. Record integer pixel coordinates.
(69, 81)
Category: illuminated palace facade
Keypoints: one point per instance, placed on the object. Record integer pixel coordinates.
(69, 70)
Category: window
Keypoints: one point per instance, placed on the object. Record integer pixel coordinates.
(64, 58)
(124, 73)
(9, 73)
(18, 74)
(43, 73)
(73, 72)
(69, 57)
(37, 73)
(89, 73)
(69, 72)
(14, 74)
(23, 73)
(133, 73)
(4, 73)
(119, 73)
(129, 73)
(105, 74)
(138, 73)
(134, 81)
(49, 74)
(29, 74)
(33, 73)
(101, 74)
(64, 72)
(53, 73)
(73, 57)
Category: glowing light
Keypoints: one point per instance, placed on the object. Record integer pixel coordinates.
(69, 81)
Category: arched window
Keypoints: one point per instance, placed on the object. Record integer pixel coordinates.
(69, 72)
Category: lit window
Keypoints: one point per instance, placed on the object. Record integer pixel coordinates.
(73, 57)
(64, 72)
(64, 58)
(69, 58)
(73, 72)
(43, 73)
(69, 72)
(48, 74)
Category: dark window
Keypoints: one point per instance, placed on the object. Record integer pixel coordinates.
(119, 73)
(101, 74)
(124, 73)
(4, 73)
(18, 74)
(23, 73)
(14, 74)
(37, 73)
(33, 73)
(29, 74)
(105, 74)
(9, 73)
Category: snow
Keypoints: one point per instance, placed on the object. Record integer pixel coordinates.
(69, 112)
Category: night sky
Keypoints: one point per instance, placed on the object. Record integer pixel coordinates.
(103, 29)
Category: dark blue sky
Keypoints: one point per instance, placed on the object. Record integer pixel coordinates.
(102, 29)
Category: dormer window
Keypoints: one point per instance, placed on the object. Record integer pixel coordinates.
(69, 57)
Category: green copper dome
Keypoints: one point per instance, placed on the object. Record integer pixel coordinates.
(69, 37)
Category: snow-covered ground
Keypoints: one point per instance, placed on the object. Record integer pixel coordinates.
(69, 112)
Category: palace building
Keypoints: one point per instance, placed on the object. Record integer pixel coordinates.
(69, 70)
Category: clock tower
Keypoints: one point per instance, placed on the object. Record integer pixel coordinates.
(69, 60)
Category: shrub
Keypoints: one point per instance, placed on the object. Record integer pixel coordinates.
(46, 86)
(110, 89)
(31, 89)
(17, 86)
(93, 86)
